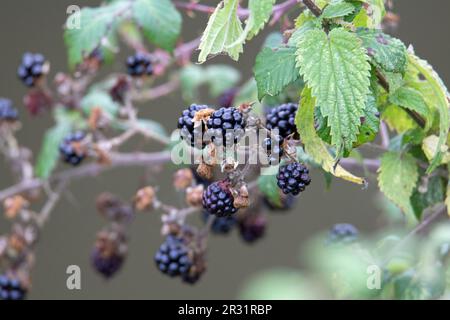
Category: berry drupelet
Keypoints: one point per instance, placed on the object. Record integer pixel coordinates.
(11, 289)
(342, 233)
(220, 225)
(218, 200)
(226, 126)
(31, 68)
(283, 119)
(172, 257)
(189, 132)
(71, 150)
(7, 112)
(293, 178)
(139, 65)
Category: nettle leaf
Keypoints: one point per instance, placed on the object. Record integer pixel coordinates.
(370, 124)
(432, 195)
(313, 145)
(267, 184)
(48, 156)
(397, 178)
(386, 52)
(337, 9)
(160, 21)
(96, 25)
(412, 99)
(223, 29)
(335, 66)
(441, 95)
(99, 99)
(274, 70)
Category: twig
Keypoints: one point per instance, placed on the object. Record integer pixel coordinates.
(157, 92)
(50, 204)
(385, 140)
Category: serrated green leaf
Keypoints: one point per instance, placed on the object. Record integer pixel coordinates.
(397, 178)
(432, 195)
(314, 146)
(337, 9)
(99, 99)
(96, 24)
(335, 66)
(412, 99)
(386, 52)
(441, 96)
(274, 70)
(223, 29)
(160, 21)
(267, 184)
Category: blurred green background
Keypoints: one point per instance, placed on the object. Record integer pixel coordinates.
(68, 238)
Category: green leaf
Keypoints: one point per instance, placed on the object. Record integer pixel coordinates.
(386, 52)
(433, 194)
(441, 95)
(267, 184)
(429, 147)
(335, 67)
(412, 99)
(274, 70)
(447, 198)
(397, 119)
(314, 146)
(223, 29)
(99, 99)
(160, 21)
(397, 178)
(96, 24)
(273, 40)
(337, 9)
(371, 124)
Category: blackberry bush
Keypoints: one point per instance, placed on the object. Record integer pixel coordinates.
(293, 178)
(71, 150)
(218, 199)
(31, 68)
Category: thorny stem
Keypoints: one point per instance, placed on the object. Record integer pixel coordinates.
(52, 200)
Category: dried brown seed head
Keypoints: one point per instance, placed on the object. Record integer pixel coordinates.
(203, 115)
(194, 195)
(144, 199)
(14, 205)
(205, 171)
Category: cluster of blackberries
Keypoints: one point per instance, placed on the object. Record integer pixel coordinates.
(218, 200)
(293, 178)
(189, 132)
(225, 126)
(31, 68)
(71, 150)
(220, 225)
(172, 257)
(7, 112)
(139, 65)
(11, 288)
(342, 233)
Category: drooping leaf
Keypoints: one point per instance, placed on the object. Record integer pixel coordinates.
(386, 52)
(223, 29)
(160, 21)
(96, 24)
(274, 70)
(335, 66)
(337, 9)
(314, 146)
(441, 95)
(397, 178)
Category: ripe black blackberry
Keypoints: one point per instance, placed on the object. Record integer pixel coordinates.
(71, 149)
(7, 112)
(109, 252)
(342, 233)
(252, 227)
(283, 119)
(293, 178)
(274, 149)
(31, 68)
(172, 257)
(107, 265)
(220, 225)
(225, 126)
(139, 65)
(11, 288)
(188, 131)
(218, 200)
(226, 99)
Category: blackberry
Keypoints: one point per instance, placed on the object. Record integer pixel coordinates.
(11, 289)
(273, 148)
(31, 68)
(342, 233)
(188, 131)
(283, 119)
(7, 111)
(218, 200)
(286, 203)
(226, 99)
(172, 258)
(225, 126)
(106, 265)
(252, 227)
(109, 252)
(220, 225)
(293, 178)
(70, 149)
(139, 65)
